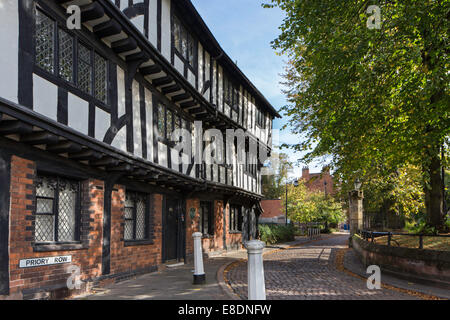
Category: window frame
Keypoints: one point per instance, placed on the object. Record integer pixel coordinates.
(55, 211)
(190, 39)
(147, 201)
(235, 219)
(211, 230)
(55, 76)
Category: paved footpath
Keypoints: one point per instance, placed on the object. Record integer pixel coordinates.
(310, 272)
(307, 272)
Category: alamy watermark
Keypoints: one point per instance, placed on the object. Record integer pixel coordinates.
(74, 281)
(74, 20)
(374, 21)
(374, 280)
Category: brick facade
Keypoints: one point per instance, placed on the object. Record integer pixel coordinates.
(126, 259)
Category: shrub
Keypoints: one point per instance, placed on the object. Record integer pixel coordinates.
(272, 234)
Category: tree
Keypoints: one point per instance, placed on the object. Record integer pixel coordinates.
(273, 185)
(305, 206)
(376, 100)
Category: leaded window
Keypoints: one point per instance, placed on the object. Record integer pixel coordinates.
(84, 69)
(161, 120)
(65, 55)
(100, 76)
(206, 218)
(45, 42)
(60, 53)
(57, 210)
(184, 43)
(136, 216)
(236, 218)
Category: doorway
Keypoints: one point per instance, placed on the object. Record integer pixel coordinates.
(174, 239)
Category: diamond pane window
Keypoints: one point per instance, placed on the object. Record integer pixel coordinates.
(84, 69)
(161, 120)
(100, 78)
(136, 216)
(45, 42)
(184, 43)
(65, 56)
(56, 210)
(169, 124)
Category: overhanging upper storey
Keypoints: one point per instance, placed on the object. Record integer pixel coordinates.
(170, 45)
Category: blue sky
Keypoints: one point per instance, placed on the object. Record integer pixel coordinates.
(244, 30)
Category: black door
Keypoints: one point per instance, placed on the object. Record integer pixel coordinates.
(173, 239)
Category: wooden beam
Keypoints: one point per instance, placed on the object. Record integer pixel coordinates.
(146, 71)
(107, 29)
(91, 11)
(14, 127)
(124, 45)
(162, 81)
(40, 137)
(105, 161)
(85, 155)
(181, 97)
(123, 167)
(64, 147)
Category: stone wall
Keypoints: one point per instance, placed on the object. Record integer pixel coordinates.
(425, 264)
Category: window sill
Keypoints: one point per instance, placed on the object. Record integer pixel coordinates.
(49, 247)
(134, 243)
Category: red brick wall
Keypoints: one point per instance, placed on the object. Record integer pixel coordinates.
(22, 228)
(215, 243)
(272, 208)
(315, 181)
(137, 257)
(192, 226)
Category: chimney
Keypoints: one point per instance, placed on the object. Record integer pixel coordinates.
(305, 173)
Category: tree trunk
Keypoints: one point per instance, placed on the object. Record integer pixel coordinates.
(434, 198)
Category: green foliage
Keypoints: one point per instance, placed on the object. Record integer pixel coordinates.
(305, 206)
(273, 185)
(375, 100)
(272, 234)
(418, 225)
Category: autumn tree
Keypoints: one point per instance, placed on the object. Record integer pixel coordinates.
(374, 99)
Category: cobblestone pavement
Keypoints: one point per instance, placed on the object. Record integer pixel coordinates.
(309, 272)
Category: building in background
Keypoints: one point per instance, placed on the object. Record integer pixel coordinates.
(273, 212)
(322, 182)
(89, 176)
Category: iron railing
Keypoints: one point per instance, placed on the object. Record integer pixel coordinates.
(395, 238)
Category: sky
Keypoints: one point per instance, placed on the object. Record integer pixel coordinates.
(244, 30)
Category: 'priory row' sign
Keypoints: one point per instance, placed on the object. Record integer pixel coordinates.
(38, 262)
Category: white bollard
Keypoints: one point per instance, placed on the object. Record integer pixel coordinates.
(199, 273)
(255, 270)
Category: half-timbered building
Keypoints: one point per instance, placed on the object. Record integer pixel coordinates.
(90, 175)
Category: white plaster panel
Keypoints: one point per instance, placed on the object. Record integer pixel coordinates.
(120, 140)
(120, 92)
(153, 21)
(45, 97)
(78, 114)
(179, 65)
(9, 60)
(149, 116)
(139, 23)
(166, 36)
(162, 154)
(191, 78)
(137, 128)
(102, 123)
(174, 159)
(200, 67)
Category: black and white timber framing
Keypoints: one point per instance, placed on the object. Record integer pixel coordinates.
(116, 138)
